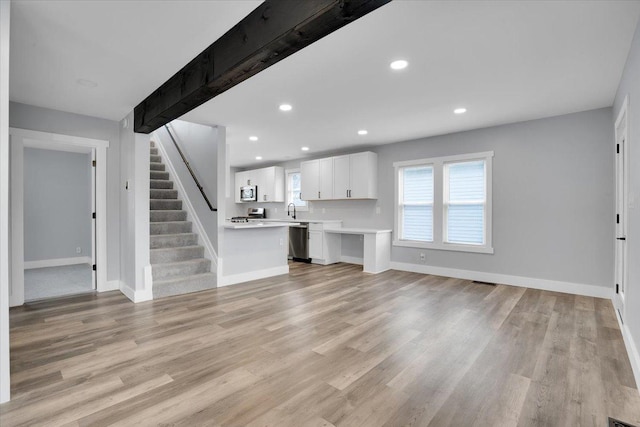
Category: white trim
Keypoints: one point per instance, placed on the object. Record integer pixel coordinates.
(618, 298)
(443, 246)
(444, 159)
(632, 350)
(141, 295)
(191, 212)
(352, 260)
(252, 275)
(21, 138)
(112, 285)
(57, 262)
(304, 208)
(520, 281)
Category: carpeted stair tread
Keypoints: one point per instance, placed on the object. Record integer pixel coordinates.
(158, 175)
(170, 227)
(182, 253)
(153, 151)
(156, 166)
(160, 215)
(158, 241)
(163, 193)
(155, 158)
(178, 286)
(160, 183)
(165, 204)
(172, 270)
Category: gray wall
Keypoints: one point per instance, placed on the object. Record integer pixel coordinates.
(199, 144)
(552, 199)
(47, 120)
(57, 204)
(630, 85)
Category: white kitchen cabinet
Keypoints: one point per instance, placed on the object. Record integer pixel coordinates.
(315, 245)
(270, 183)
(316, 179)
(352, 176)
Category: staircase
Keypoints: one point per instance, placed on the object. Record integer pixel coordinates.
(177, 261)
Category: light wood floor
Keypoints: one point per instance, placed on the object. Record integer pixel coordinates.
(323, 346)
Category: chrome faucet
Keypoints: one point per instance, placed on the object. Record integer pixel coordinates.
(294, 210)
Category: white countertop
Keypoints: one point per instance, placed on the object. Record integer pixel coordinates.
(350, 230)
(256, 224)
(297, 221)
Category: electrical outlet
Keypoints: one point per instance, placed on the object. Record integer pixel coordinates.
(378, 210)
(423, 257)
(281, 242)
(78, 250)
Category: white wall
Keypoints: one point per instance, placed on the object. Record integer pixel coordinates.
(630, 85)
(199, 144)
(552, 200)
(46, 120)
(57, 204)
(5, 273)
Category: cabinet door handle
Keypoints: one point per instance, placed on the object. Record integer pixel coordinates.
(318, 194)
(347, 193)
(264, 197)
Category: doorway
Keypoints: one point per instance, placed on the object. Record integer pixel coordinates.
(73, 260)
(58, 239)
(622, 178)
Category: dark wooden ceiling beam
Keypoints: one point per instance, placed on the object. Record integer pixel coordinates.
(273, 31)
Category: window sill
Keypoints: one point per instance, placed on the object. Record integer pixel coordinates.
(444, 246)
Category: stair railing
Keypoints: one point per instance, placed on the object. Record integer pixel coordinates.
(193, 175)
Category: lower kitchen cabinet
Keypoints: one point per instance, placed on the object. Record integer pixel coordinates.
(315, 245)
(323, 248)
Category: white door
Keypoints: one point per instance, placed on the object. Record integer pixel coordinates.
(621, 150)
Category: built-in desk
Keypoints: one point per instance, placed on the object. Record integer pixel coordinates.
(377, 247)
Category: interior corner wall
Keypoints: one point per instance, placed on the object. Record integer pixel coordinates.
(630, 86)
(47, 120)
(5, 263)
(57, 205)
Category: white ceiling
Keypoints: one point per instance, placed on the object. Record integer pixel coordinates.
(504, 61)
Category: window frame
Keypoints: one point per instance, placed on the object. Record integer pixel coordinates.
(288, 190)
(400, 203)
(439, 209)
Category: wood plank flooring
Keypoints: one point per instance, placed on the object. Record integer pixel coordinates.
(323, 346)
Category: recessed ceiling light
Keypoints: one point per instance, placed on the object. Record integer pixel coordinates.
(258, 157)
(305, 148)
(285, 107)
(362, 132)
(400, 64)
(460, 110)
(86, 83)
(253, 138)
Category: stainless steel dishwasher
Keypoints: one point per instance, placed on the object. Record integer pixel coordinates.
(299, 242)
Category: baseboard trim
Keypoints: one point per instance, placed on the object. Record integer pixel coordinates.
(112, 285)
(135, 296)
(252, 275)
(352, 260)
(527, 282)
(632, 350)
(58, 262)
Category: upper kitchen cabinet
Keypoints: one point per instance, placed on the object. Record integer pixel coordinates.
(269, 182)
(356, 176)
(316, 179)
(353, 176)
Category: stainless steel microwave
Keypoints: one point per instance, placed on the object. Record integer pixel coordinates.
(249, 193)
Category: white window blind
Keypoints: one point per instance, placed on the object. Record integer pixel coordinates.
(464, 202)
(416, 204)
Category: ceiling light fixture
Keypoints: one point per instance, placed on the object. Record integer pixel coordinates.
(305, 148)
(253, 138)
(363, 132)
(460, 110)
(400, 64)
(285, 107)
(258, 157)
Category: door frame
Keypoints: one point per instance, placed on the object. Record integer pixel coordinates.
(621, 206)
(20, 138)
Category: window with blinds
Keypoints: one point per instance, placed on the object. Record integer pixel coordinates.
(445, 203)
(293, 189)
(416, 204)
(464, 202)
